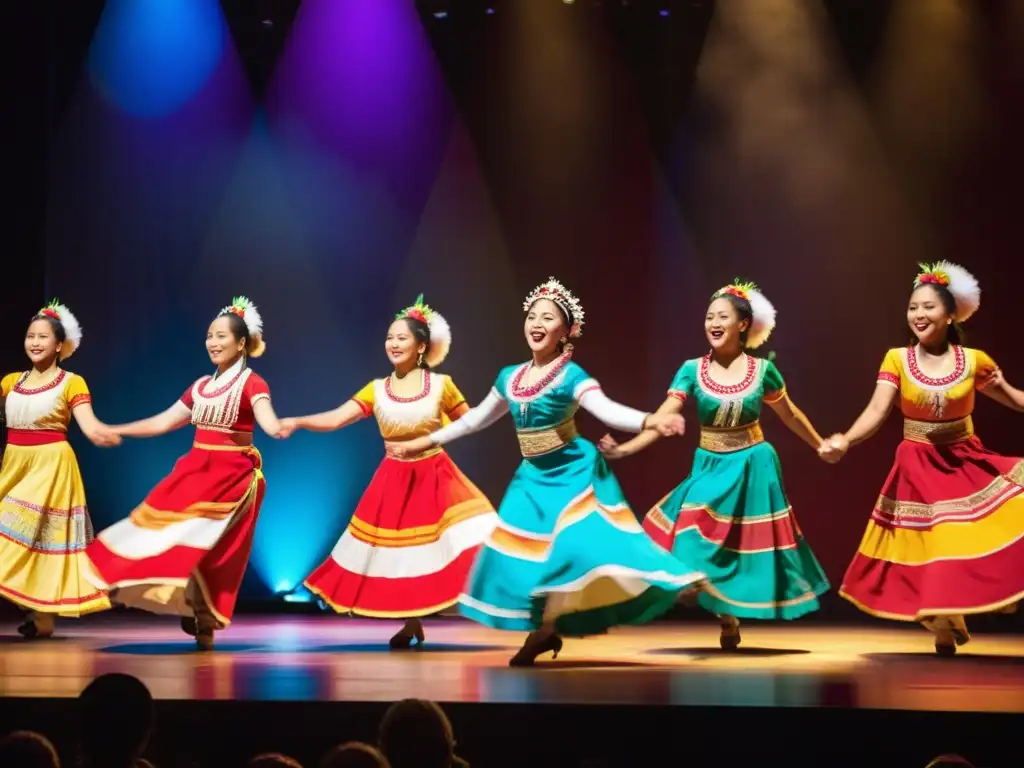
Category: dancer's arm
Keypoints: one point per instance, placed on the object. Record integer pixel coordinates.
(614, 450)
(328, 421)
(490, 409)
(589, 394)
(263, 412)
(79, 402)
(796, 421)
(175, 417)
(989, 380)
(869, 422)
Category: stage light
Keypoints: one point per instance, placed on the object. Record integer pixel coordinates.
(441, 15)
(664, 12)
(489, 11)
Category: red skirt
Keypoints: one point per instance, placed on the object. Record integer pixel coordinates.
(946, 536)
(410, 544)
(190, 539)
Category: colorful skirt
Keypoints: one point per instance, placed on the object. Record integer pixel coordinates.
(731, 519)
(410, 544)
(946, 536)
(45, 527)
(567, 549)
(190, 539)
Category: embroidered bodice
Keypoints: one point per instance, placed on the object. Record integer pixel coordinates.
(550, 401)
(725, 406)
(923, 398)
(48, 407)
(404, 418)
(225, 403)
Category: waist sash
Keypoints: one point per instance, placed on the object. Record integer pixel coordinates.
(731, 439)
(938, 432)
(537, 442)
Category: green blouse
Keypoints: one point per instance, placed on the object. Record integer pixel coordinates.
(736, 405)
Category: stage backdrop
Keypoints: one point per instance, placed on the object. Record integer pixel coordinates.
(644, 162)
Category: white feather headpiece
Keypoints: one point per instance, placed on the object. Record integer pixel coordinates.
(440, 331)
(763, 321)
(958, 281)
(72, 330)
(253, 320)
(554, 291)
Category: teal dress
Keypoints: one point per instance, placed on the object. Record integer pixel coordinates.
(567, 548)
(731, 518)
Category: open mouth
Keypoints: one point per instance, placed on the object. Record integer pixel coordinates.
(921, 327)
(716, 334)
(537, 336)
(396, 353)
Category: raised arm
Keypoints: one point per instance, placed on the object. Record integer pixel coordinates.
(623, 418)
(347, 413)
(613, 450)
(175, 417)
(490, 409)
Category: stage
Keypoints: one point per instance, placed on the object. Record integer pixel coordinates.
(277, 677)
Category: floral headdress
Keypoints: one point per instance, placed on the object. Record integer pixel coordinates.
(72, 330)
(763, 321)
(246, 310)
(440, 331)
(554, 291)
(958, 281)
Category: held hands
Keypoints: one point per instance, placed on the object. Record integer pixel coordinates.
(409, 448)
(288, 427)
(667, 424)
(834, 448)
(104, 436)
(610, 448)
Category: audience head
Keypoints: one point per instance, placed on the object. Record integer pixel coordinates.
(273, 760)
(950, 761)
(354, 754)
(417, 734)
(25, 749)
(120, 699)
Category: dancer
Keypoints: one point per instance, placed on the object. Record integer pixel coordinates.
(567, 555)
(731, 517)
(184, 550)
(946, 537)
(44, 521)
(412, 539)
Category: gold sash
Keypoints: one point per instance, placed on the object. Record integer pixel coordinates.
(938, 432)
(537, 442)
(730, 439)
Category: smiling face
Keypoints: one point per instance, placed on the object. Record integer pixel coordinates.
(723, 326)
(42, 344)
(402, 346)
(929, 318)
(223, 346)
(545, 326)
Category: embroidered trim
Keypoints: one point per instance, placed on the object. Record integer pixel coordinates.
(396, 399)
(364, 407)
(78, 400)
(532, 391)
(46, 387)
(889, 378)
(678, 395)
(726, 389)
(915, 372)
(773, 397)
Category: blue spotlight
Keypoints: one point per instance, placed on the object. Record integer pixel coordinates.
(664, 13)
(441, 15)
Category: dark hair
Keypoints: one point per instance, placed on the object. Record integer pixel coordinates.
(955, 334)
(55, 324)
(743, 309)
(27, 749)
(354, 754)
(565, 313)
(421, 332)
(415, 733)
(121, 699)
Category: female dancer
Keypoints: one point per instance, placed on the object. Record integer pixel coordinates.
(946, 537)
(731, 517)
(44, 521)
(407, 551)
(184, 549)
(567, 555)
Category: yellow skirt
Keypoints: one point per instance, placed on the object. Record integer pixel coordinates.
(44, 529)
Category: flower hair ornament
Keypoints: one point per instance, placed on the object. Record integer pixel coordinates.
(72, 330)
(246, 310)
(554, 291)
(958, 281)
(763, 321)
(440, 331)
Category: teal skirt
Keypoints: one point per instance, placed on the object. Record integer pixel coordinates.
(568, 549)
(731, 519)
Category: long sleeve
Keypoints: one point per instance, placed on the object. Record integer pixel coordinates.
(614, 415)
(490, 409)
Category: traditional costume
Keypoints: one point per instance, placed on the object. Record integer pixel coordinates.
(410, 544)
(567, 549)
(946, 537)
(184, 550)
(731, 517)
(44, 520)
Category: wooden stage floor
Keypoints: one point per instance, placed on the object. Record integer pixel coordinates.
(331, 659)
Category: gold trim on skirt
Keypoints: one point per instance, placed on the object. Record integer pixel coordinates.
(537, 442)
(938, 432)
(731, 439)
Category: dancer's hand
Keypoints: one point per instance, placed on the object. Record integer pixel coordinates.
(409, 448)
(667, 424)
(288, 427)
(610, 448)
(993, 378)
(834, 448)
(104, 436)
